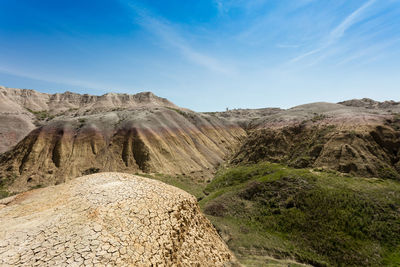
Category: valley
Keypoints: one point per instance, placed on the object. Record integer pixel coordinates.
(317, 184)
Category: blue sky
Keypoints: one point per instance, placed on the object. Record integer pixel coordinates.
(205, 55)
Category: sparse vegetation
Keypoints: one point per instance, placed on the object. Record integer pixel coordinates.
(185, 114)
(91, 171)
(3, 192)
(211, 113)
(389, 173)
(37, 186)
(41, 115)
(4, 182)
(81, 122)
(186, 183)
(318, 117)
(396, 121)
(178, 111)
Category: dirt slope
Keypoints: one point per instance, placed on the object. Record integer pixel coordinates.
(143, 139)
(108, 219)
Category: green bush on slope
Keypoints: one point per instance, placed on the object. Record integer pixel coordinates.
(314, 217)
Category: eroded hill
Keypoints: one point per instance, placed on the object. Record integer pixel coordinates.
(21, 110)
(358, 140)
(108, 219)
(254, 204)
(146, 139)
(82, 134)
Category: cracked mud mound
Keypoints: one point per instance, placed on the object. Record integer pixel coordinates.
(108, 218)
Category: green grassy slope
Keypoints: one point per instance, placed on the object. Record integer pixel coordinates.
(320, 218)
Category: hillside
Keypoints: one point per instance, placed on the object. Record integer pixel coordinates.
(108, 219)
(316, 183)
(319, 218)
(142, 133)
(144, 139)
(350, 139)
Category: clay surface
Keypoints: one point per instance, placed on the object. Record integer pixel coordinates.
(108, 219)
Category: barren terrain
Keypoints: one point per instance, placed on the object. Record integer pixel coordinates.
(108, 219)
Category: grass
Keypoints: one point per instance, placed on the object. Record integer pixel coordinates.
(3, 193)
(4, 182)
(319, 218)
(181, 112)
(91, 171)
(41, 115)
(273, 215)
(185, 183)
(185, 114)
(36, 186)
(318, 117)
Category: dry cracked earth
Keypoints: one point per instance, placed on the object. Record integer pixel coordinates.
(108, 219)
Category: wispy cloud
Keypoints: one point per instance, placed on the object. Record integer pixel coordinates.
(371, 50)
(56, 80)
(336, 34)
(168, 33)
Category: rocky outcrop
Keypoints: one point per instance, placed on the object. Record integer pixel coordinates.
(368, 103)
(21, 110)
(108, 219)
(144, 139)
(329, 136)
(54, 104)
(368, 152)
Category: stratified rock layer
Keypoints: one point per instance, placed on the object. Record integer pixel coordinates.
(347, 139)
(108, 219)
(22, 109)
(156, 139)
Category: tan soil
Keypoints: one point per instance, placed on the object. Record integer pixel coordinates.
(110, 219)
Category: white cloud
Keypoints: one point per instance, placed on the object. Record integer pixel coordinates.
(336, 34)
(167, 33)
(57, 80)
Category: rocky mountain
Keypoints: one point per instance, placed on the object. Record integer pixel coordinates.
(108, 219)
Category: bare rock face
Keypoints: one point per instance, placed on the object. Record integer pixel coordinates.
(355, 140)
(21, 110)
(83, 134)
(144, 139)
(15, 121)
(108, 219)
(372, 104)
